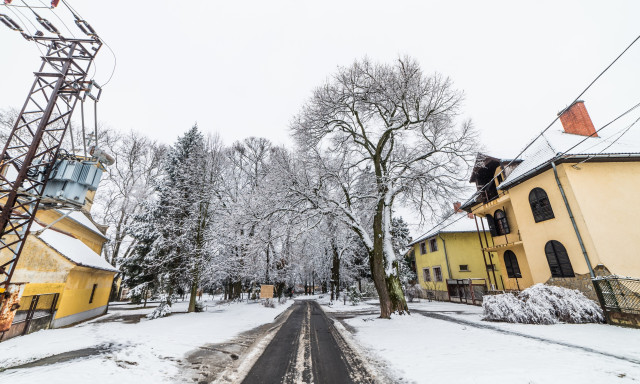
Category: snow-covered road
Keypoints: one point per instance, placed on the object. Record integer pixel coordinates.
(449, 342)
(122, 351)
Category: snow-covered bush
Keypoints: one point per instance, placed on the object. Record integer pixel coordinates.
(269, 303)
(199, 307)
(412, 292)
(162, 310)
(354, 295)
(369, 289)
(542, 304)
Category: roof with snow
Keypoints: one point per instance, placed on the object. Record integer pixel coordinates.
(457, 223)
(558, 145)
(73, 249)
(83, 220)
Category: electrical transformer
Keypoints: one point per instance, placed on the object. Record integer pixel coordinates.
(71, 179)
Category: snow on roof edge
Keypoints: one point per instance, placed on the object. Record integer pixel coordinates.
(457, 225)
(73, 249)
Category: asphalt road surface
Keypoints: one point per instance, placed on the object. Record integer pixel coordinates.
(307, 349)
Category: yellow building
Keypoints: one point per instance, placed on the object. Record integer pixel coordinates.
(450, 265)
(566, 212)
(64, 277)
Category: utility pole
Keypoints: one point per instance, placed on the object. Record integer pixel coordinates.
(33, 145)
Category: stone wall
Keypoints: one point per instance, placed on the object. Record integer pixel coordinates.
(581, 282)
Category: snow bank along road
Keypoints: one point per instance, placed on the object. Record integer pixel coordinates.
(447, 342)
(123, 347)
(307, 349)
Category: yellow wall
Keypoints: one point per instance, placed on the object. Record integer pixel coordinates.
(608, 203)
(43, 288)
(523, 263)
(77, 291)
(462, 248)
(89, 238)
(602, 198)
(430, 260)
(536, 235)
(39, 264)
(47, 271)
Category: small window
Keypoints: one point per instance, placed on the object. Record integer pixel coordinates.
(491, 267)
(502, 226)
(558, 259)
(437, 274)
(426, 275)
(433, 245)
(93, 292)
(540, 205)
(423, 248)
(464, 268)
(511, 264)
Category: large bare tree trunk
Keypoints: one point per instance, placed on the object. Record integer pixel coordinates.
(335, 272)
(193, 295)
(388, 287)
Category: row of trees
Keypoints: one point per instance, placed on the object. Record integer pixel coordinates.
(200, 213)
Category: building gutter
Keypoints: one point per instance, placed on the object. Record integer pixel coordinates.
(613, 157)
(573, 221)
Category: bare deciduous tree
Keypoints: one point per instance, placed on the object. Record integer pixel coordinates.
(128, 182)
(375, 134)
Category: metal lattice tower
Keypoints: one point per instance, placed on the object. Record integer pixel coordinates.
(34, 142)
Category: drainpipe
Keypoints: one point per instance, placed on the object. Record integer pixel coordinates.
(446, 258)
(573, 221)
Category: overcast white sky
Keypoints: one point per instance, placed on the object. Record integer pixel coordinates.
(244, 68)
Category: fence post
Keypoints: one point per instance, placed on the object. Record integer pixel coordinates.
(54, 303)
(603, 303)
(32, 310)
(473, 296)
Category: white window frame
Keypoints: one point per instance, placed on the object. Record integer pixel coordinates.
(426, 277)
(435, 275)
(433, 245)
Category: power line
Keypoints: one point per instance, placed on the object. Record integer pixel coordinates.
(624, 131)
(547, 128)
(77, 15)
(557, 156)
(600, 129)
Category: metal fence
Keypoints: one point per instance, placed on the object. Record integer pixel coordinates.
(35, 313)
(620, 299)
(470, 291)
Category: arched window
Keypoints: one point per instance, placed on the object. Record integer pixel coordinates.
(558, 259)
(502, 226)
(511, 264)
(492, 225)
(540, 205)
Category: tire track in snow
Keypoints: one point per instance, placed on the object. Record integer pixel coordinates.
(439, 316)
(308, 349)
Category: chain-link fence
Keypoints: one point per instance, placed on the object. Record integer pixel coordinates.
(620, 299)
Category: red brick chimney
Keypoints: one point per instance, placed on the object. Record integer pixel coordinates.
(575, 119)
(456, 206)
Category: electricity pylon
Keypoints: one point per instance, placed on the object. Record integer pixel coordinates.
(34, 143)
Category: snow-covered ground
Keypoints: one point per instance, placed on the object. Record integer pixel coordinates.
(144, 352)
(455, 345)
